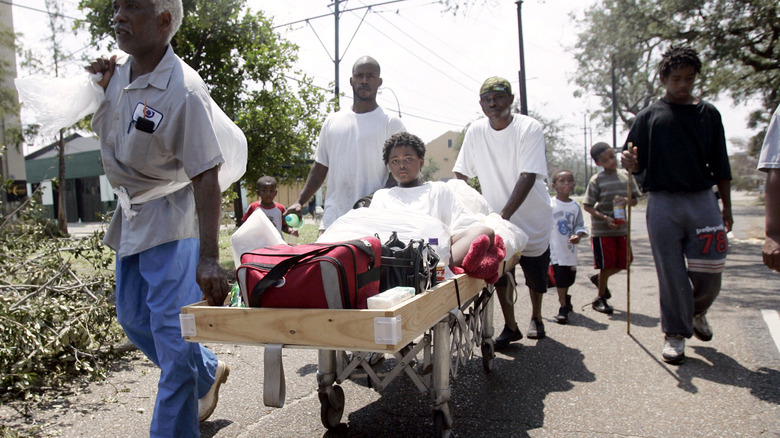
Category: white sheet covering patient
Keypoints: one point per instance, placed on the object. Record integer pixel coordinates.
(432, 198)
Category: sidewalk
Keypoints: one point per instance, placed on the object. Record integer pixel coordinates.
(587, 379)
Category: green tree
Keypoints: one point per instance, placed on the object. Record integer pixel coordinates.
(739, 41)
(462, 6)
(248, 68)
(430, 168)
(44, 64)
(8, 101)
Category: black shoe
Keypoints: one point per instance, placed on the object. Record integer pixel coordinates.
(701, 328)
(563, 314)
(536, 329)
(595, 280)
(601, 305)
(506, 337)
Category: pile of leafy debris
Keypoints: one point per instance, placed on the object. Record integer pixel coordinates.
(57, 312)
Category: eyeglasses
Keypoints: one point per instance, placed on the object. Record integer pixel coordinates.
(407, 161)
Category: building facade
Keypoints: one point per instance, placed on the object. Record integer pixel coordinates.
(441, 153)
(88, 193)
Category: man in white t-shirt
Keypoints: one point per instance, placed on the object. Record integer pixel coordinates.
(506, 152)
(349, 152)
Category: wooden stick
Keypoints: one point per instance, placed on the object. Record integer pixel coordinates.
(628, 249)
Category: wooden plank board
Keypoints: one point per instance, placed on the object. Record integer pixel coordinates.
(329, 328)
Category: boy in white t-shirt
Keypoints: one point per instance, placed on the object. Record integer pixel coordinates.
(568, 228)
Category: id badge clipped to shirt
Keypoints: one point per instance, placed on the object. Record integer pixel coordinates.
(145, 118)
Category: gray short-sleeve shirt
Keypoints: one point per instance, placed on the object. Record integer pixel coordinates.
(175, 143)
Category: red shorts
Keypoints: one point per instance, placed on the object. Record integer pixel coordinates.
(609, 252)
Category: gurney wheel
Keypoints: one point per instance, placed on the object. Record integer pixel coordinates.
(488, 354)
(332, 407)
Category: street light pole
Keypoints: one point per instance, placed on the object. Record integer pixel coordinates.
(521, 73)
(398, 105)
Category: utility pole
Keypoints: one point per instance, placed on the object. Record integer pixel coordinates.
(614, 107)
(585, 145)
(521, 73)
(336, 57)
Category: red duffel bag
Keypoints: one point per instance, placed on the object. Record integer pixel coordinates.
(317, 276)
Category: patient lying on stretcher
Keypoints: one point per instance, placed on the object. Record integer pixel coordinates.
(474, 248)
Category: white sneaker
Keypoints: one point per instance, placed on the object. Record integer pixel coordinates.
(674, 349)
(208, 402)
(701, 328)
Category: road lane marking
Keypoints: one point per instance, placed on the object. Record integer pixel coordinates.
(772, 320)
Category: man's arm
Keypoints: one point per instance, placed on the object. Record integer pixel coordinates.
(208, 204)
(523, 186)
(313, 182)
(724, 188)
(771, 250)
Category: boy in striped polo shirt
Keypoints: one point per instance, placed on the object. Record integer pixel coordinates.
(605, 190)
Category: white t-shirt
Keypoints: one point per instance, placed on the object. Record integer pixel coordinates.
(432, 198)
(498, 158)
(350, 145)
(770, 152)
(567, 221)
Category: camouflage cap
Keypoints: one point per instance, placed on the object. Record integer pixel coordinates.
(495, 83)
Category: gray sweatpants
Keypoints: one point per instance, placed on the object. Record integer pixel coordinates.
(689, 247)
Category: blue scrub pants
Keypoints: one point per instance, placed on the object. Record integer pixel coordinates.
(151, 288)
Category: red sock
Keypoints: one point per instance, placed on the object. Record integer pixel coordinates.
(483, 259)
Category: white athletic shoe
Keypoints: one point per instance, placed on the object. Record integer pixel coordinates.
(674, 349)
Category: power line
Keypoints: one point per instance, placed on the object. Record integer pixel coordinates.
(417, 41)
(405, 111)
(331, 13)
(420, 58)
(39, 10)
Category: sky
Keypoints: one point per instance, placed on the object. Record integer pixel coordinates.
(433, 62)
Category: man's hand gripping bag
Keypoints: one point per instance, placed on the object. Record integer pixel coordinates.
(317, 276)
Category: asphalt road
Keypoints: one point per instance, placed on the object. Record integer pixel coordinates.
(586, 379)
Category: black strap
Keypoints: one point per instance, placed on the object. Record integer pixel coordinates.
(457, 291)
(360, 244)
(278, 271)
(367, 277)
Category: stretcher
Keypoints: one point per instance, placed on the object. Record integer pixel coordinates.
(431, 335)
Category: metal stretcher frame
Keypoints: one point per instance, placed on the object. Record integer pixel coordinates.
(431, 318)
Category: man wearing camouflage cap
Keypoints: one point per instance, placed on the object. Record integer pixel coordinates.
(506, 152)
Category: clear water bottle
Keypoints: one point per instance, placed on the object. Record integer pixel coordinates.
(619, 210)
